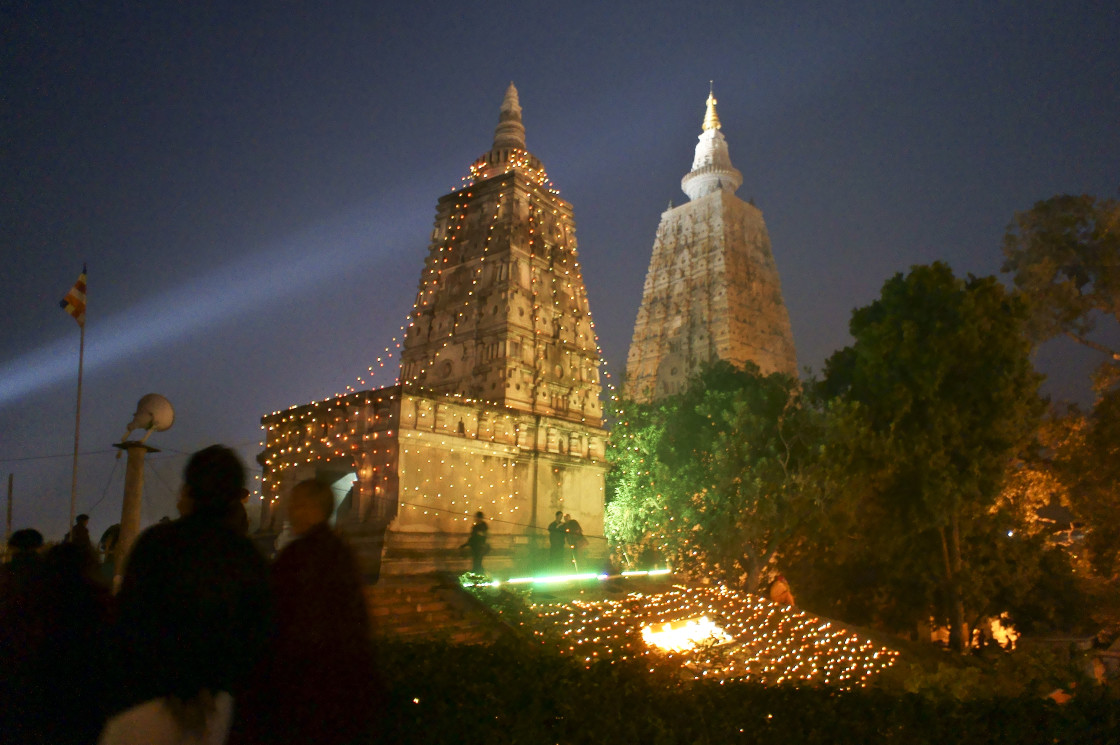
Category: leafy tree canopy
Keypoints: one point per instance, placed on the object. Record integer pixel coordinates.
(940, 375)
(1064, 257)
(705, 478)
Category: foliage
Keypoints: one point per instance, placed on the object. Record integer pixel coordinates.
(1089, 464)
(1064, 257)
(706, 479)
(1032, 672)
(1035, 481)
(943, 394)
(517, 694)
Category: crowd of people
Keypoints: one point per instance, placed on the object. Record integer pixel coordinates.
(565, 541)
(205, 642)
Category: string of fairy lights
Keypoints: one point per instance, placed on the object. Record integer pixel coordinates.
(341, 430)
(751, 638)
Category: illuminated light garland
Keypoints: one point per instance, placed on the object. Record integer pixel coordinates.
(340, 428)
(758, 640)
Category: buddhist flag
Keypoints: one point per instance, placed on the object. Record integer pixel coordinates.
(75, 301)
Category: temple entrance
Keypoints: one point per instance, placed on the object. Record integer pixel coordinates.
(342, 483)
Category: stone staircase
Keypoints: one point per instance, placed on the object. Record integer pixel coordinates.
(429, 607)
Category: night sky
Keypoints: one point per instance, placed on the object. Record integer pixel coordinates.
(253, 189)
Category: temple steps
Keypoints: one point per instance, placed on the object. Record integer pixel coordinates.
(429, 607)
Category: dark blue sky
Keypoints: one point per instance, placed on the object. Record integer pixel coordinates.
(254, 189)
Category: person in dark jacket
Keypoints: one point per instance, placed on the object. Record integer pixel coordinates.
(573, 535)
(23, 633)
(318, 682)
(557, 542)
(79, 534)
(194, 612)
(477, 541)
(71, 659)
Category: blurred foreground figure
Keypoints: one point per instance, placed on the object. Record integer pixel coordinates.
(318, 683)
(195, 614)
(53, 614)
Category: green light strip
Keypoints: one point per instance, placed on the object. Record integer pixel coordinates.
(557, 578)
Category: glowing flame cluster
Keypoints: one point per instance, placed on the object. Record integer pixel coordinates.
(714, 632)
(679, 636)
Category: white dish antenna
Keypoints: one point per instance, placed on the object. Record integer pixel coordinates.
(153, 413)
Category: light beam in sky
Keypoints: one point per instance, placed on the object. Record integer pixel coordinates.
(251, 283)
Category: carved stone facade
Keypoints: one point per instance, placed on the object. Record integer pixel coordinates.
(712, 290)
(498, 408)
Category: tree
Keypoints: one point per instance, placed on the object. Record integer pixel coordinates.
(1088, 464)
(1064, 257)
(706, 478)
(940, 376)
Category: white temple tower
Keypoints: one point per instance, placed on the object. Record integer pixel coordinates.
(712, 290)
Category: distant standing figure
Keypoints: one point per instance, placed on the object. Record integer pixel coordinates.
(318, 682)
(779, 591)
(557, 541)
(477, 541)
(194, 615)
(79, 534)
(573, 534)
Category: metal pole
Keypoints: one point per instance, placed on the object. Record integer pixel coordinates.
(77, 431)
(8, 534)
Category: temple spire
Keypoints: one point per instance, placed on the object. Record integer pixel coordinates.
(711, 118)
(711, 165)
(510, 131)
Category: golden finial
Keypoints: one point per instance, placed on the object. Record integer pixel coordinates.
(711, 119)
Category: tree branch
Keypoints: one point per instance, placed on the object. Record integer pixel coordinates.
(1093, 345)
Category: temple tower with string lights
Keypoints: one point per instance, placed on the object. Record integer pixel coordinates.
(501, 314)
(712, 290)
(497, 406)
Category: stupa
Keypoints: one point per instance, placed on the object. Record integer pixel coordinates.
(712, 291)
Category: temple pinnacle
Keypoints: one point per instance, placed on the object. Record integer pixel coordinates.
(711, 119)
(711, 166)
(510, 131)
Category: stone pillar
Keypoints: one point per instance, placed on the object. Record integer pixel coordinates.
(130, 508)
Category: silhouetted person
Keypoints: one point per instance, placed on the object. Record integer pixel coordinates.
(557, 541)
(573, 536)
(22, 634)
(477, 541)
(195, 613)
(73, 656)
(318, 682)
(238, 517)
(79, 534)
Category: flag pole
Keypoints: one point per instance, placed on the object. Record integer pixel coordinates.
(77, 431)
(75, 304)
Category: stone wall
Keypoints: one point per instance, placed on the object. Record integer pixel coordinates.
(712, 292)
